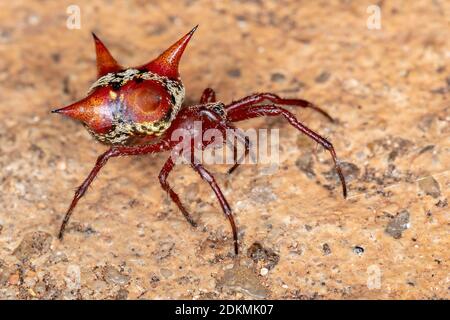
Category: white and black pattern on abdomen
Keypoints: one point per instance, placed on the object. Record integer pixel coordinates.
(116, 80)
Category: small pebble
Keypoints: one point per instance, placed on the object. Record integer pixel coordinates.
(398, 224)
(277, 77)
(326, 249)
(234, 73)
(33, 244)
(73, 277)
(166, 273)
(430, 187)
(113, 276)
(323, 77)
(262, 194)
(358, 250)
(264, 271)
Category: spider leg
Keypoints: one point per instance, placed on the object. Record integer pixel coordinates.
(208, 96)
(246, 142)
(257, 98)
(101, 161)
(208, 177)
(227, 126)
(248, 112)
(167, 168)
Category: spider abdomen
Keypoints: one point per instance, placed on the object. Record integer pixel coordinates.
(126, 105)
(140, 104)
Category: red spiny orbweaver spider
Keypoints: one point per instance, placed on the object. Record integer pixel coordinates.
(135, 111)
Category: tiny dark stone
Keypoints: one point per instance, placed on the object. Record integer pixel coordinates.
(277, 77)
(66, 86)
(398, 224)
(158, 29)
(234, 73)
(441, 90)
(258, 253)
(323, 77)
(241, 17)
(56, 57)
(426, 149)
(358, 250)
(326, 249)
(442, 203)
(430, 187)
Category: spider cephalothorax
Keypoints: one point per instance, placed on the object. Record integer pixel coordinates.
(136, 110)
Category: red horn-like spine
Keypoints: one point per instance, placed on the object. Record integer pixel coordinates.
(167, 63)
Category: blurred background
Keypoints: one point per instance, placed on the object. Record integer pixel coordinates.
(381, 69)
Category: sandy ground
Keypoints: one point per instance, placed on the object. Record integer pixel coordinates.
(388, 89)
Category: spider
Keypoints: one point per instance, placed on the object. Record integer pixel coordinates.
(134, 111)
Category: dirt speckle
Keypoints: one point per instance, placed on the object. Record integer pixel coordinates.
(114, 276)
(398, 224)
(262, 194)
(326, 249)
(33, 245)
(305, 163)
(234, 73)
(263, 255)
(358, 250)
(430, 187)
(122, 294)
(442, 203)
(73, 277)
(164, 250)
(323, 77)
(57, 257)
(166, 273)
(242, 279)
(277, 77)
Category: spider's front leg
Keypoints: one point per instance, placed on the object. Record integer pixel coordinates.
(258, 98)
(208, 96)
(101, 161)
(167, 168)
(243, 139)
(248, 112)
(208, 177)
